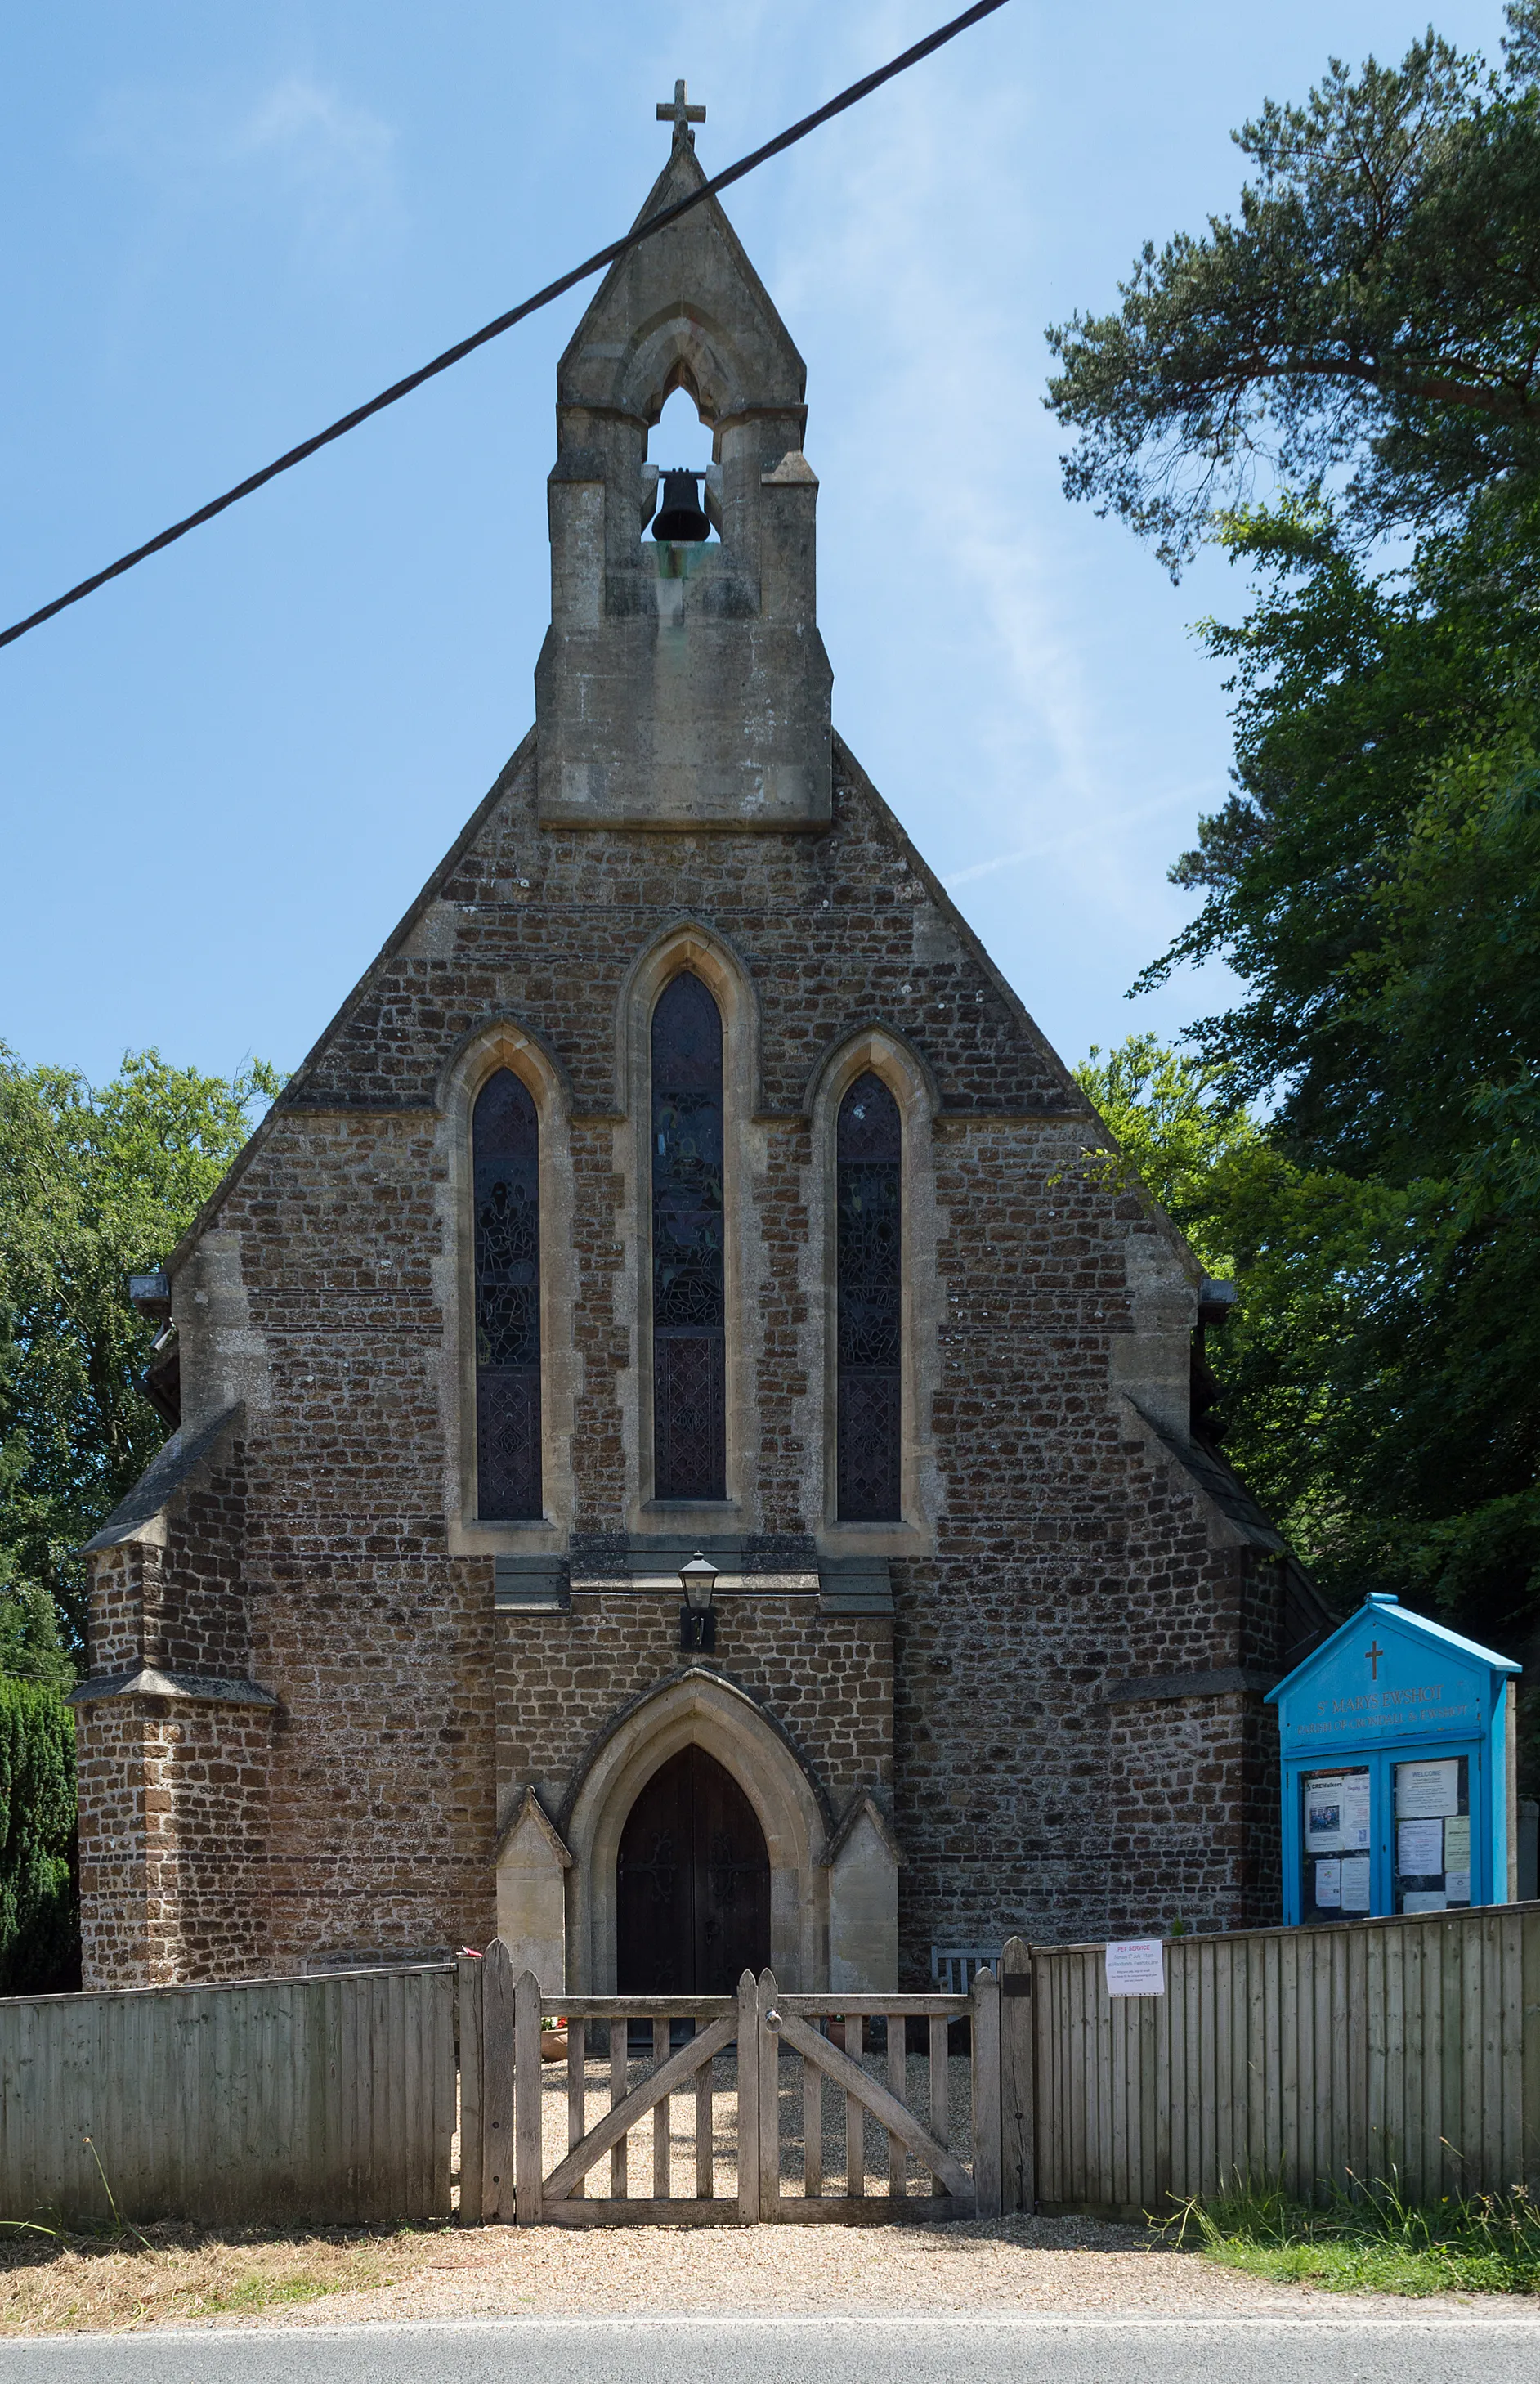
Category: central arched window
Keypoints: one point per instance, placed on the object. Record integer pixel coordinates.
(870, 1258)
(505, 1147)
(689, 1283)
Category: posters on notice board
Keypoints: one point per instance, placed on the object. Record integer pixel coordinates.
(1336, 1812)
(1427, 1791)
(1355, 1883)
(1420, 1849)
(1323, 1816)
(1328, 1883)
(1136, 1965)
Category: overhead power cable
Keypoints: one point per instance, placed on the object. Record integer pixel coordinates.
(648, 231)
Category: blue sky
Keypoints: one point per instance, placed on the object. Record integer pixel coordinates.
(223, 779)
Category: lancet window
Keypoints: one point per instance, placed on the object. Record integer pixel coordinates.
(505, 1148)
(870, 1260)
(689, 1281)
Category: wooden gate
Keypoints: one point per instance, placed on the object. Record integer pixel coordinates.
(753, 2074)
(800, 2025)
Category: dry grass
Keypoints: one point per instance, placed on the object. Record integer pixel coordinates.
(67, 2283)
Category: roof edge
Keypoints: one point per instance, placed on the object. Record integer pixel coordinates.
(171, 1466)
(1263, 1532)
(1389, 1611)
(1084, 1109)
(152, 1681)
(289, 1097)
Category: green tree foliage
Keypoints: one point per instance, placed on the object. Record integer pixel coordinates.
(1374, 309)
(30, 1647)
(96, 1183)
(1375, 879)
(39, 1912)
(1370, 327)
(1378, 1383)
(1184, 1131)
(1372, 878)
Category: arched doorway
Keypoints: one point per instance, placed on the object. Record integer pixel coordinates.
(692, 1884)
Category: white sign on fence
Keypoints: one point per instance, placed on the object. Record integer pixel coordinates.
(1137, 1967)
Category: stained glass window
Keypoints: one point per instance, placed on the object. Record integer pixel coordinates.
(505, 1144)
(688, 1302)
(869, 1254)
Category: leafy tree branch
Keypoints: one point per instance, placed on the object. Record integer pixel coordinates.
(1373, 312)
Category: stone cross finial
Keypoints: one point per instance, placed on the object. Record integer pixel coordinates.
(679, 113)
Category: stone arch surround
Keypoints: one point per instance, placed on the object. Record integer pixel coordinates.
(686, 944)
(892, 1058)
(503, 1042)
(700, 1708)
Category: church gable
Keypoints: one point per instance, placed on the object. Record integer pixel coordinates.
(682, 1191)
(528, 924)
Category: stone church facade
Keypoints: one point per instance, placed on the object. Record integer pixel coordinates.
(682, 1177)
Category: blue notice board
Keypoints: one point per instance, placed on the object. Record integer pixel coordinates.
(1397, 1745)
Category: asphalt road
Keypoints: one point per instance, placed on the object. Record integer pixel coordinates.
(1316, 2349)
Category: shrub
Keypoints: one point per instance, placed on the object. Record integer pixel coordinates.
(40, 1928)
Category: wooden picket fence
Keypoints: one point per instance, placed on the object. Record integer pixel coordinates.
(329, 2100)
(1312, 2057)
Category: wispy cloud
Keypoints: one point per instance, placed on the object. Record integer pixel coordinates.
(1092, 835)
(1008, 704)
(297, 145)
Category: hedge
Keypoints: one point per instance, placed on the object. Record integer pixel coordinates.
(40, 1926)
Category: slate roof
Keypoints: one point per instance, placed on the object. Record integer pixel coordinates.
(1217, 1481)
(180, 1457)
(1307, 1618)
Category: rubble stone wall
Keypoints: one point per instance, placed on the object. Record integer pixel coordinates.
(1063, 1549)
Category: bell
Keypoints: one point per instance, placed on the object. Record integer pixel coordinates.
(679, 516)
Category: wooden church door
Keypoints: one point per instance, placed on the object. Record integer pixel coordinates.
(693, 1884)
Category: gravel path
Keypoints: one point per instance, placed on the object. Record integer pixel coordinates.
(1047, 2266)
(1036, 2266)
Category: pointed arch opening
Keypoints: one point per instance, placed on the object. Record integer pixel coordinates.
(692, 1882)
(893, 1289)
(689, 1372)
(869, 1304)
(505, 1169)
(705, 1709)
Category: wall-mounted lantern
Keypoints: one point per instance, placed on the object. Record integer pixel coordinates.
(697, 1622)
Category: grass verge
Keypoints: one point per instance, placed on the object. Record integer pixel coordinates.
(53, 2278)
(1372, 2241)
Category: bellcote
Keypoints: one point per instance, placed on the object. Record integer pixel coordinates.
(683, 685)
